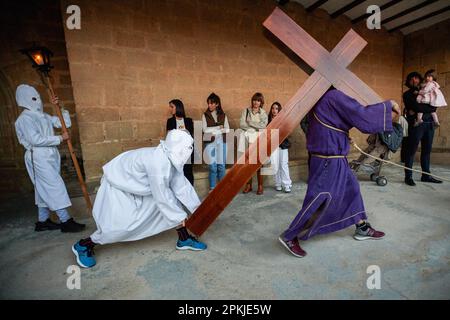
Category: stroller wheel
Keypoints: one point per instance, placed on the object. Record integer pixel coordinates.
(382, 181)
(373, 177)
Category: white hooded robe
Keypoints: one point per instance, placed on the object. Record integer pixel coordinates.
(141, 192)
(34, 130)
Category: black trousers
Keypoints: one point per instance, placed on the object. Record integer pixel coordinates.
(424, 135)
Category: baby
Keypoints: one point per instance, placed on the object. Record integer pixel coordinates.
(430, 94)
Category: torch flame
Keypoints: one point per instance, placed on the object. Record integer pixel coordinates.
(38, 59)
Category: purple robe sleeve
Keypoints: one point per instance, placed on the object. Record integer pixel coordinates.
(367, 119)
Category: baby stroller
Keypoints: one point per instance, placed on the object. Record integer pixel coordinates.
(380, 145)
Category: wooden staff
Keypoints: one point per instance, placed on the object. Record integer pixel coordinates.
(46, 80)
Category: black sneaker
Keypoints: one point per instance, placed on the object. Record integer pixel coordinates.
(410, 182)
(46, 225)
(430, 179)
(72, 226)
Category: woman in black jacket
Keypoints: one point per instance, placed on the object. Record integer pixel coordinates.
(180, 121)
(280, 157)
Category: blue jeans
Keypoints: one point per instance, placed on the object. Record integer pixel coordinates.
(218, 154)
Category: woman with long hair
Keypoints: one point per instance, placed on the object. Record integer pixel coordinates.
(280, 157)
(215, 126)
(180, 121)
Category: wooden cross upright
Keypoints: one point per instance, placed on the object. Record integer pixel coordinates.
(330, 70)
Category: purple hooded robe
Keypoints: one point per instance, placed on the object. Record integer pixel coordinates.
(333, 200)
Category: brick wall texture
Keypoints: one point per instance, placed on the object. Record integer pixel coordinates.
(430, 49)
(132, 57)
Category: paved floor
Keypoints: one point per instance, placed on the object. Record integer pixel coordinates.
(244, 259)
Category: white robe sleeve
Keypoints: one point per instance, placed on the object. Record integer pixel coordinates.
(165, 199)
(27, 130)
(184, 192)
(57, 123)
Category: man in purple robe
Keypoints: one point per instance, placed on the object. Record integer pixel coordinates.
(333, 200)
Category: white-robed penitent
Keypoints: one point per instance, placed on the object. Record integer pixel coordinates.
(142, 190)
(34, 130)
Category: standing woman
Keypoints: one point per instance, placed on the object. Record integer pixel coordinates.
(253, 119)
(179, 121)
(280, 157)
(215, 126)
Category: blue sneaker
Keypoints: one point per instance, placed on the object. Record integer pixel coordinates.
(85, 255)
(191, 243)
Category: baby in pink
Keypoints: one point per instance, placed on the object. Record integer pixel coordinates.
(432, 95)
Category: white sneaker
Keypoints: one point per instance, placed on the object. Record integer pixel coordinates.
(287, 189)
(278, 189)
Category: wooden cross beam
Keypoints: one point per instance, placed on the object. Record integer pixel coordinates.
(330, 69)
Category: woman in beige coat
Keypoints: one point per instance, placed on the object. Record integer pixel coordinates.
(253, 119)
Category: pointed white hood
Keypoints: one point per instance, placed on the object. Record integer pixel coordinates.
(178, 146)
(27, 97)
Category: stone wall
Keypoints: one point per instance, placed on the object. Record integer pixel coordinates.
(131, 57)
(22, 23)
(430, 49)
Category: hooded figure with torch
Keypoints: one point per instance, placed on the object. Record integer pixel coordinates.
(35, 131)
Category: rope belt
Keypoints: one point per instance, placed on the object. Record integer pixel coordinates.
(366, 154)
(327, 157)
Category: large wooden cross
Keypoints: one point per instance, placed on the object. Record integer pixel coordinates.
(330, 70)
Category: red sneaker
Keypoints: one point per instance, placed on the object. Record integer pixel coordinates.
(368, 234)
(293, 246)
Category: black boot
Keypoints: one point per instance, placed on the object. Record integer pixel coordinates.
(46, 225)
(72, 226)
